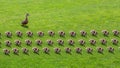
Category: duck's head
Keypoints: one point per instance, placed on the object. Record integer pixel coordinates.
(27, 14)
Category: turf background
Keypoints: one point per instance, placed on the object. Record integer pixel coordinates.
(66, 15)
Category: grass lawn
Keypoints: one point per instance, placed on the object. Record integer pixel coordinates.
(56, 15)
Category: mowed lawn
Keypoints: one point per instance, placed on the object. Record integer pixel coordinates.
(56, 15)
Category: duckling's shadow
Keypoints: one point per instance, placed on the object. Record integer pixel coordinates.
(106, 36)
(104, 45)
(83, 45)
(79, 53)
(20, 37)
(58, 53)
(16, 54)
(37, 53)
(7, 55)
(26, 54)
(9, 46)
(73, 36)
(117, 36)
(61, 45)
(84, 36)
(29, 45)
(90, 53)
(18, 45)
(40, 45)
(72, 45)
(69, 53)
(25, 26)
(93, 44)
(47, 53)
(9, 37)
(50, 45)
(30, 36)
(95, 36)
(62, 36)
(101, 53)
(115, 44)
(112, 53)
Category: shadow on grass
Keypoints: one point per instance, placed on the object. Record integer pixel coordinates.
(39, 45)
(106, 36)
(16, 54)
(30, 36)
(104, 44)
(50, 45)
(9, 46)
(94, 36)
(116, 36)
(58, 53)
(20, 37)
(72, 45)
(115, 44)
(61, 45)
(90, 53)
(69, 53)
(7, 55)
(26, 54)
(83, 45)
(62, 36)
(101, 53)
(93, 44)
(73, 36)
(36, 53)
(47, 53)
(19, 45)
(79, 53)
(29, 45)
(9, 37)
(25, 26)
(112, 53)
(84, 36)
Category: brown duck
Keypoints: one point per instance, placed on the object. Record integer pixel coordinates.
(25, 22)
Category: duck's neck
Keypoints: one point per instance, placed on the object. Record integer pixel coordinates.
(26, 18)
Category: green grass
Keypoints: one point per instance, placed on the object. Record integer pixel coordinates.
(66, 15)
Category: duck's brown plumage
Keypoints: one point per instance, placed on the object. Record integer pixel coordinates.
(26, 20)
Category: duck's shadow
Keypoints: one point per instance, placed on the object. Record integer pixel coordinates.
(25, 26)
